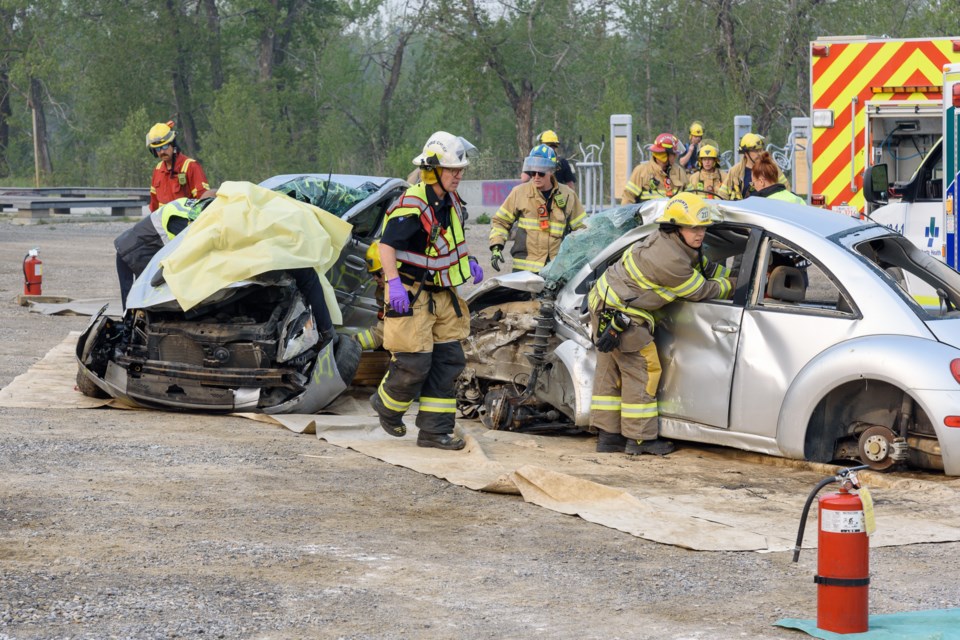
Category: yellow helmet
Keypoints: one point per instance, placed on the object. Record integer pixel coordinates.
(751, 142)
(688, 210)
(549, 137)
(708, 151)
(373, 257)
(696, 128)
(160, 134)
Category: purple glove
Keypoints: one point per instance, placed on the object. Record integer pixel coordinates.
(399, 300)
(476, 271)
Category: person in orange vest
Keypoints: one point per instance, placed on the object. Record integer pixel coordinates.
(176, 175)
(659, 177)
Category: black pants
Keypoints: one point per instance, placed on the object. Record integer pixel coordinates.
(308, 283)
(126, 276)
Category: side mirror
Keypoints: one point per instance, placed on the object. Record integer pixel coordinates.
(875, 184)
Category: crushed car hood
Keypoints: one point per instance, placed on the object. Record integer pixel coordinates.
(246, 231)
(521, 281)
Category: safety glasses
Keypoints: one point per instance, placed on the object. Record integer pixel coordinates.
(164, 147)
(538, 174)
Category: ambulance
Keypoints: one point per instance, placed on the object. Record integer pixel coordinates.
(923, 206)
(873, 101)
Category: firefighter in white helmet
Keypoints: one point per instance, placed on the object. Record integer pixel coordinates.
(708, 179)
(423, 253)
(176, 175)
(666, 265)
(738, 184)
(659, 177)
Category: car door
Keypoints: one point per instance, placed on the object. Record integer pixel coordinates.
(796, 310)
(698, 341)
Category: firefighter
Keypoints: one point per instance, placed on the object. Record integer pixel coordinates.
(708, 178)
(565, 173)
(666, 265)
(544, 211)
(424, 257)
(659, 177)
(176, 175)
(765, 183)
(690, 157)
(738, 184)
(137, 245)
(372, 338)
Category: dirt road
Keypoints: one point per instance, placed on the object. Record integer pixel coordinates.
(137, 524)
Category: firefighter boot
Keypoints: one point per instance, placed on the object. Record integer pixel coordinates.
(440, 441)
(390, 421)
(610, 442)
(654, 447)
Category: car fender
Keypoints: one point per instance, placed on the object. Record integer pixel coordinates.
(887, 358)
(569, 363)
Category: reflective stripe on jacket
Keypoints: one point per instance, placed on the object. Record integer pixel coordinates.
(706, 183)
(539, 231)
(654, 272)
(649, 181)
(446, 254)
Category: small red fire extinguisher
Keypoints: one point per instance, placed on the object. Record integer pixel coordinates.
(32, 273)
(845, 522)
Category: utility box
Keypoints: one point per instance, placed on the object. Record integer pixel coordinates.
(621, 154)
(742, 125)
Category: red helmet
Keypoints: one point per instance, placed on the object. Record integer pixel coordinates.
(665, 142)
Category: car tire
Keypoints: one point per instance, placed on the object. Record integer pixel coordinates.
(86, 386)
(347, 355)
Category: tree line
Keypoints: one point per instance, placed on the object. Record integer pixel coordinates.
(262, 87)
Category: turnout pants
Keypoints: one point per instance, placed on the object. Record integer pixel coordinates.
(625, 387)
(427, 358)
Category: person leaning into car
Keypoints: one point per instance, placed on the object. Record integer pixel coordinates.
(666, 265)
(424, 257)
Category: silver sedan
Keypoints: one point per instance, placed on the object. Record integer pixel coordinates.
(841, 340)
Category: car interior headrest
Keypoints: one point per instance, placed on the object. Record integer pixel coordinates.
(786, 283)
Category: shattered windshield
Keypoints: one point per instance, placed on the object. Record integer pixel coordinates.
(329, 195)
(582, 246)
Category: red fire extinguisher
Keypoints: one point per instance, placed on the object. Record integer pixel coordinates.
(845, 520)
(32, 273)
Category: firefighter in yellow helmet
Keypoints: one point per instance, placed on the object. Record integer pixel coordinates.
(738, 184)
(666, 265)
(543, 210)
(176, 175)
(424, 257)
(692, 153)
(372, 338)
(660, 176)
(708, 179)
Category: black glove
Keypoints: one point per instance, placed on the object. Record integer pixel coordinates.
(496, 257)
(611, 325)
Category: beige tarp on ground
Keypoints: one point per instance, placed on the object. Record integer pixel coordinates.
(699, 498)
(248, 230)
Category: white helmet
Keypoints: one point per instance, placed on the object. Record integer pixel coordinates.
(443, 150)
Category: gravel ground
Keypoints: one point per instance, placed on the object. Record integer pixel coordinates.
(121, 524)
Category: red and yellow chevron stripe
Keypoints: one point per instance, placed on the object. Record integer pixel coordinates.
(865, 70)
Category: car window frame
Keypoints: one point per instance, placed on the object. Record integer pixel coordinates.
(758, 278)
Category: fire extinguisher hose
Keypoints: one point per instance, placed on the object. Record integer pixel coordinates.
(806, 511)
(24, 265)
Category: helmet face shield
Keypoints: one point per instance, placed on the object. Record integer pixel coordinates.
(541, 158)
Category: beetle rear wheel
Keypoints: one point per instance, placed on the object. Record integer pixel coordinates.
(876, 447)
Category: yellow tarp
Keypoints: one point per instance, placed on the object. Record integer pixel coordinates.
(248, 230)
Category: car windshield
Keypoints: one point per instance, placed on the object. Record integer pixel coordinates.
(581, 246)
(329, 195)
(923, 280)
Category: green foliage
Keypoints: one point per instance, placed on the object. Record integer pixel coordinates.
(482, 219)
(121, 159)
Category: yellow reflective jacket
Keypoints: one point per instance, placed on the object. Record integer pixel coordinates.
(649, 181)
(539, 231)
(446, 254)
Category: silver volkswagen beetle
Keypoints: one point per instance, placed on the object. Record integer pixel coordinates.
(841, 340)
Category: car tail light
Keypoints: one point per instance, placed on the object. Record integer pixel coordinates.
(955, 368)
(951, 421)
